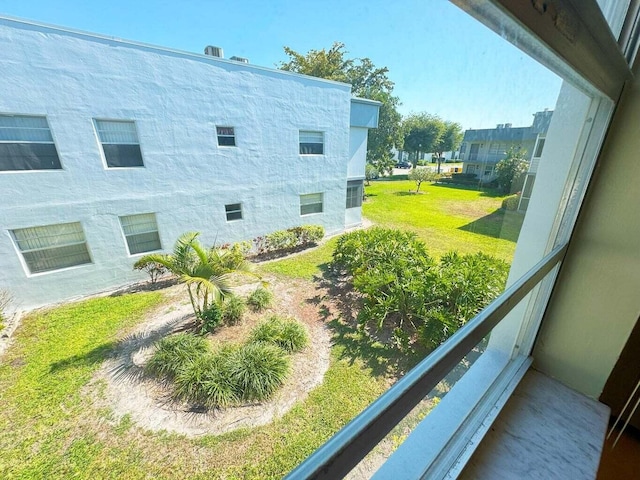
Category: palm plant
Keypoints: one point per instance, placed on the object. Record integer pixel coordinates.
(204, 271)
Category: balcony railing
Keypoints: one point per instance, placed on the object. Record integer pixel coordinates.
(350, 445)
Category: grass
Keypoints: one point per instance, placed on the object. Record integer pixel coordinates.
(306, 265)
(50, 426)
(445, 217)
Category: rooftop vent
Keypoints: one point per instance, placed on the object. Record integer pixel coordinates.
(507, 125)
(214, 51)
(240, 59)
(500, 125)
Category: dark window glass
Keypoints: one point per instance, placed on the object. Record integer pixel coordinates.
(233, 211)
(122, 155)
(29, 156)
(226, 136)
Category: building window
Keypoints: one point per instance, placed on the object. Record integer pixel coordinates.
(120, 143)
(497, 148)
(539, 147)
(141, 232)
(311, 143)
(488, 170)
(354, 193)
(233, 211)
(52, 247)
(473, 152)
(226, 136)
(26, 144)
(311, 203)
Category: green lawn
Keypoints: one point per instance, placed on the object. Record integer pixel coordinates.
(445, 217)
(306, 265)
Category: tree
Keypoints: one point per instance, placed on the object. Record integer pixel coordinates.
(387, 135)
(422, 133)
(204, 271)
(510, 170)
(367, 81)
(448, 141)
(370, 173)
(420, 175)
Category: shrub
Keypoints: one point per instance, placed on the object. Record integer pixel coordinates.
(283, 240)
(5, 299)
(151, 268)
(371, 172)
(210, 318)
(173, 352)
(307, 234)
(257, 369)
(205, 379)
(260, 299)
(420, 300)
(287, 334)
(511, 202)
(280, 240)
(233, 307)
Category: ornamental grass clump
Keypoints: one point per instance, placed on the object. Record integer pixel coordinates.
(173, 352)
(260, 299)
(233, 308)
(287, 334)
(257, 369)
(232, 374)
(205, 380)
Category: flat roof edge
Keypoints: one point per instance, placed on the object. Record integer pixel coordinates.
(7, 20)
(366, 101)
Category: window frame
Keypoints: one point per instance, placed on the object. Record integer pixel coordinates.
(593, 72)
(223, 135)
(36, 142)
(358, 185)
(539, 147)
(308, 195)
(26, 263)
(104, 154)
(126, 236)
(236, 211)
(309, 144)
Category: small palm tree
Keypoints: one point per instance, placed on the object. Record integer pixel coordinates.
(205, 271)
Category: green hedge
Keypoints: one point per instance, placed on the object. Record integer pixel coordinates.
(404, 289)
(511, 202)
(289, 239)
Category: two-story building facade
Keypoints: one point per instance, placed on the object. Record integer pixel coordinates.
(111, 149)
(482, 149)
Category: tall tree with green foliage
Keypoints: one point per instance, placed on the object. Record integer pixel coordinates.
(511, 170)
(449, 141)
(422, 133)
(367, 81)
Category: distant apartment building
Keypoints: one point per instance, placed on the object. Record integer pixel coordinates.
(111, 149)
(482, 149)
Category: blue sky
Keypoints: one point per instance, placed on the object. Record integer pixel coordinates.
(441, 60)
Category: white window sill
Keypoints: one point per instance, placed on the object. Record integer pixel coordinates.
(546, 430)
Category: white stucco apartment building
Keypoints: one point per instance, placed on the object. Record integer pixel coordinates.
(110, 149)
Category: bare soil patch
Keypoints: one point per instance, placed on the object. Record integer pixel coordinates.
(121, 385)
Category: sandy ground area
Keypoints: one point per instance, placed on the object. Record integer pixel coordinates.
(121, 386)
